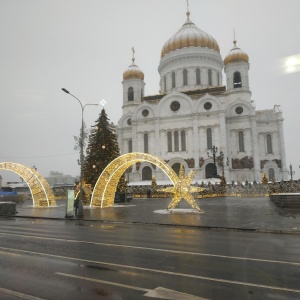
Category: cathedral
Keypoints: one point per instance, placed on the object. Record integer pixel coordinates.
(195, 120)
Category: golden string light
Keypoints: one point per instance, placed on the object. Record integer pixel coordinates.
(182, 189)
(105, 187)
(41, 192)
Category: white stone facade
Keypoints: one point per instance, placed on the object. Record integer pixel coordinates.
(194, 112)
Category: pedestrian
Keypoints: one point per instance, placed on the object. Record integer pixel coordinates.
(76, 199)
(148, 193)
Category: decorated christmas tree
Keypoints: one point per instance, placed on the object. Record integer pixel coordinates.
(153, 182)
(264, 179)
(102, 149)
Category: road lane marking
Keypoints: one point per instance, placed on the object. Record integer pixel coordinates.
(103, 281)
(154, 270)
(155, 249)
(163, 293)
(159, 292)
(9, 254)
(20, 295)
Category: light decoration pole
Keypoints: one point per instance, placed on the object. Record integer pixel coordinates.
(80, 214)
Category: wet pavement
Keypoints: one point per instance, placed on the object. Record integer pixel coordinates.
(252, 214)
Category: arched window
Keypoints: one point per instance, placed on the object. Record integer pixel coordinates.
(142, 94)
(176, 141)
(169, 141)
(185, 77)
(146, 143)
(130, 146)
(130, 94)
(271, 174)
(218, 78)
(198, 77)
(209, 138)
(241, 142)
(165, 83)
(237, 81)
(173, 80)
(269, 144)
(183, 141)
(209, 77)
(146, 173)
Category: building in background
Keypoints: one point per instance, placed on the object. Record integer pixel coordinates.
(57, 178)
(195, 120)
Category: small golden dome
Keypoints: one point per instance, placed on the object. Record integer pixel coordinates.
(236, 55)
(189, 36)
(133, 72)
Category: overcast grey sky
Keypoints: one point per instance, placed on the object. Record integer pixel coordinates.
(85, 45)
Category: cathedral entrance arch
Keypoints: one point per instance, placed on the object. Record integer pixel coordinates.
(146, 173)
(210, 170)
(40, 190)
(176, 168)
(106, 185)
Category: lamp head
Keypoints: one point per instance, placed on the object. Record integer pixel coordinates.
(66, 91)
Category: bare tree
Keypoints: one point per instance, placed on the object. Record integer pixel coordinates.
(77, 139)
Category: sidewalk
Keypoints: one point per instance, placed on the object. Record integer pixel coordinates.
(252, 214)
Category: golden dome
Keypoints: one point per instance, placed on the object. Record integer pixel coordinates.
(133, 72)
(189, 36)
(236, 55)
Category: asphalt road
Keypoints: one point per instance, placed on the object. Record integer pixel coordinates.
(47, 259)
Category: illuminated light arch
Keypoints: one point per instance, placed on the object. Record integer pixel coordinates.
(42, 195)
(106, 185)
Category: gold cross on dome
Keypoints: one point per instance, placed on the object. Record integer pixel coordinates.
(133, 51)
(187, 8)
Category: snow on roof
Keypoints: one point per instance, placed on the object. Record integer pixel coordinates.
(168, 182)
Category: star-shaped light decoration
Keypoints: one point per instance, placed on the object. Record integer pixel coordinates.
(103, 102)
(182, 189)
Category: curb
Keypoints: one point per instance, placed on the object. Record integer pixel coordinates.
(217, 228)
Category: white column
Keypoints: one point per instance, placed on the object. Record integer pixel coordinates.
(152, 145)
(134, 137)
(233, 142)
(163, 143)
(195, 141)
(134, 142)
(222, 137)
(157, 144)
(202, 140)
(190, 141)
(256, 158)
(140, 141)
(282, 150)
(215, 136)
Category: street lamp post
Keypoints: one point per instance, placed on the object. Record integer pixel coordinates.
(222, 161)
(291, 172)
(214, 150)
(80, 214)
(222, 157)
